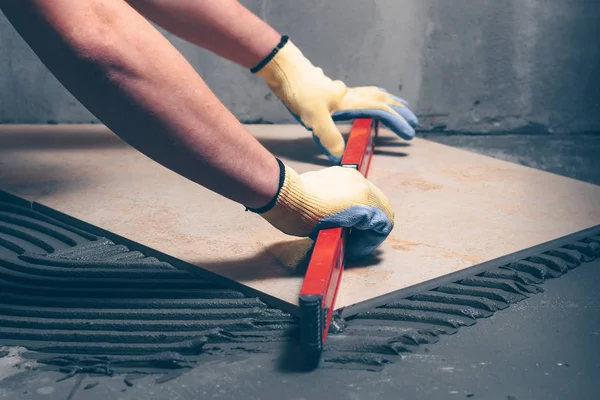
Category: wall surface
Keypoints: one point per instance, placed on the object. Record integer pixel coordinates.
(464, 65)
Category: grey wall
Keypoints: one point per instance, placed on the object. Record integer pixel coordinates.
(465, 65)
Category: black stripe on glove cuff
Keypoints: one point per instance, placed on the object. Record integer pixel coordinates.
(258, 67)
(272, 203)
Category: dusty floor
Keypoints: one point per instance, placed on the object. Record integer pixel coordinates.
(544, 347)
(576, 156)
(488, 208)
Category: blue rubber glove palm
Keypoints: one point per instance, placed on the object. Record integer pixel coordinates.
(318, 102)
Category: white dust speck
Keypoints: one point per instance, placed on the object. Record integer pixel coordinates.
(13, 363)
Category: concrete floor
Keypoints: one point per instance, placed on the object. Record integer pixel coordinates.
(452, 207)
(575, 156)
(542, 348)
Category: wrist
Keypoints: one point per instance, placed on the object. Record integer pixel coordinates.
(271, 55)
(268, 206)
(293, 211)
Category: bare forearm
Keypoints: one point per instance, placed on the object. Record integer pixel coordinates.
(134, 81)
(225, 27)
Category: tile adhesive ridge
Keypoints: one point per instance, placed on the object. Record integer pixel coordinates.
(80, 302)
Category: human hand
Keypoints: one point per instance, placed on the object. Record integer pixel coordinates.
(317, 102)
(329, 198)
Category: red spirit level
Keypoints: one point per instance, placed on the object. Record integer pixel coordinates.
(324, 273)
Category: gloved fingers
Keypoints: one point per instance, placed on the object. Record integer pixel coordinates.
(356, 102)
(401, 101)
(397, 124)
(372, 92)
(398, 99)
(384, 90)
(370, 227)
(402, 107)
(392, 120)
(361, 244)
(407, 115)
(328, 137)
(355, 105)
(373, 97)
(383, 202)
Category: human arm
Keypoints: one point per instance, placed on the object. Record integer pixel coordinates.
(136, 83)
(133, 80)
(230, 30)
(224, 27)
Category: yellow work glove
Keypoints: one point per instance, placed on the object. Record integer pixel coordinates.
(317, 102)
(331, 197)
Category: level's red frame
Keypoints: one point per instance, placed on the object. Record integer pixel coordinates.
(324, 273)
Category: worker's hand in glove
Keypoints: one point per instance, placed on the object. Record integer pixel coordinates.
(317, 101)
(331, 197)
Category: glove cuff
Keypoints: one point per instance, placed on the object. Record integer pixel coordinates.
(294, 212)
(271, 204)
(286, 62)
(267, 59)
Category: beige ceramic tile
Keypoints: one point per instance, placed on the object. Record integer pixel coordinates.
(453, 208)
